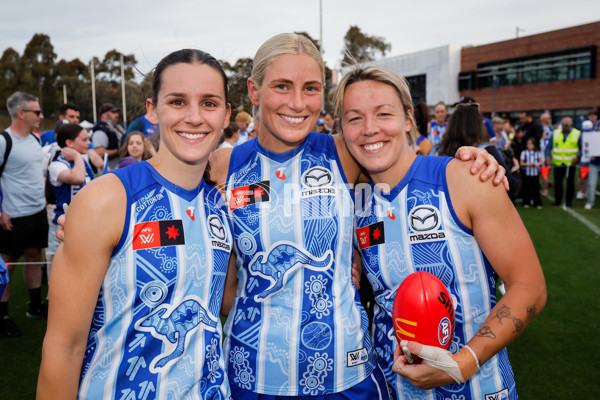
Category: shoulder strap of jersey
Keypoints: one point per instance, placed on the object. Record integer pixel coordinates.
(8, 140)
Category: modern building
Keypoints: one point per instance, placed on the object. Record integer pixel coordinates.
(554, 71)
(431, 73)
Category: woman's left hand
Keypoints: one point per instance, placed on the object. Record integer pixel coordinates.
(481, 157)
(433, 366)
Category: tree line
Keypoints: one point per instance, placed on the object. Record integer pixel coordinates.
(38, 72)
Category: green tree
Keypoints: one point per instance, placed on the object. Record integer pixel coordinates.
(38, 62)
(75, 76)
(11, 73)
(362, 46)
(238, 75)
(110, 67)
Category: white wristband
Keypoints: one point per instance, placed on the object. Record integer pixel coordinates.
(474, 355)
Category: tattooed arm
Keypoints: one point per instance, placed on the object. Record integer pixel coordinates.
(504, 240)
(500, 233)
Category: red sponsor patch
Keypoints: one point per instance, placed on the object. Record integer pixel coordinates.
(151, 234)
(251, 194)
(370, 235)
(363, 237)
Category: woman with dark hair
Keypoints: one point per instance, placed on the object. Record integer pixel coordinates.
(231, 134)
(466, 128)
(422, 144)
(137, 286)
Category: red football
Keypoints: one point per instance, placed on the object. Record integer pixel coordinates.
(423, 311)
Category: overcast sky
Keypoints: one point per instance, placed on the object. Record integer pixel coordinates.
(232, 29)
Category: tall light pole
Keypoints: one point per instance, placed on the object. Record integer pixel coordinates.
(93, 78)
(123, 93)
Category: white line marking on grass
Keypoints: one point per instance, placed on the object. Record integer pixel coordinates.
(579, 217)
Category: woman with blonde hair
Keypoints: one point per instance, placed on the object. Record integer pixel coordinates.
(430, 214)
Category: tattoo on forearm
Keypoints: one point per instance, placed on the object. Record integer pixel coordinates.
(486, 331)
(502, 313)
(519, 326)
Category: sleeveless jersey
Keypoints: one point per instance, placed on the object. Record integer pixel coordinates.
(413, 228)
(435, 135)
(297, 327)
(64, 192)
(156, 332)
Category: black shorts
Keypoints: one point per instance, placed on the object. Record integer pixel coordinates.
(29, 232)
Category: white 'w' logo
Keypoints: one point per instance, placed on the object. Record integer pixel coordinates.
(147, 238)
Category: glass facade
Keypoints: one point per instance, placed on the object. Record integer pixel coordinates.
(418, 87)
(563, 65)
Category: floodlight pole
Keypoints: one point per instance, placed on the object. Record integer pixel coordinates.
(93, 79)
(123, 94)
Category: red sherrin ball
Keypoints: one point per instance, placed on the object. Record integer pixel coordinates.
(423, 311)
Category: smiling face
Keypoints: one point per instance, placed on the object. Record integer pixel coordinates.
(290, 100)
(375, 127)
(191, 110)
(135, 146)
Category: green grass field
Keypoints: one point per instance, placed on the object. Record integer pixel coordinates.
(557, 357)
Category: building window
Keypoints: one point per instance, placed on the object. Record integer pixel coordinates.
(548, 67)
(466, 80)
(418, 87)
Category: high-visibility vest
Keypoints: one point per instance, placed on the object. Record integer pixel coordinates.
(564, 151)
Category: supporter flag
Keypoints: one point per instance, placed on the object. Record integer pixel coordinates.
(583, 171)
(545, 171)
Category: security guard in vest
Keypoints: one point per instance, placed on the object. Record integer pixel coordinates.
(566, 143)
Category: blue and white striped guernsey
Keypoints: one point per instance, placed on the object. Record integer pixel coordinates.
(531, 157)
(435, 135)
(156, 332)
(415, 228)
(297, 327)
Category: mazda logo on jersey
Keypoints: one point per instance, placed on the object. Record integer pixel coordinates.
(317, 177)
(151, 234)
(424, 218)
(251, 194)
(217, 230)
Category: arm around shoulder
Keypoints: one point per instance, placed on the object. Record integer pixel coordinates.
(92, 230)
(351, 168)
